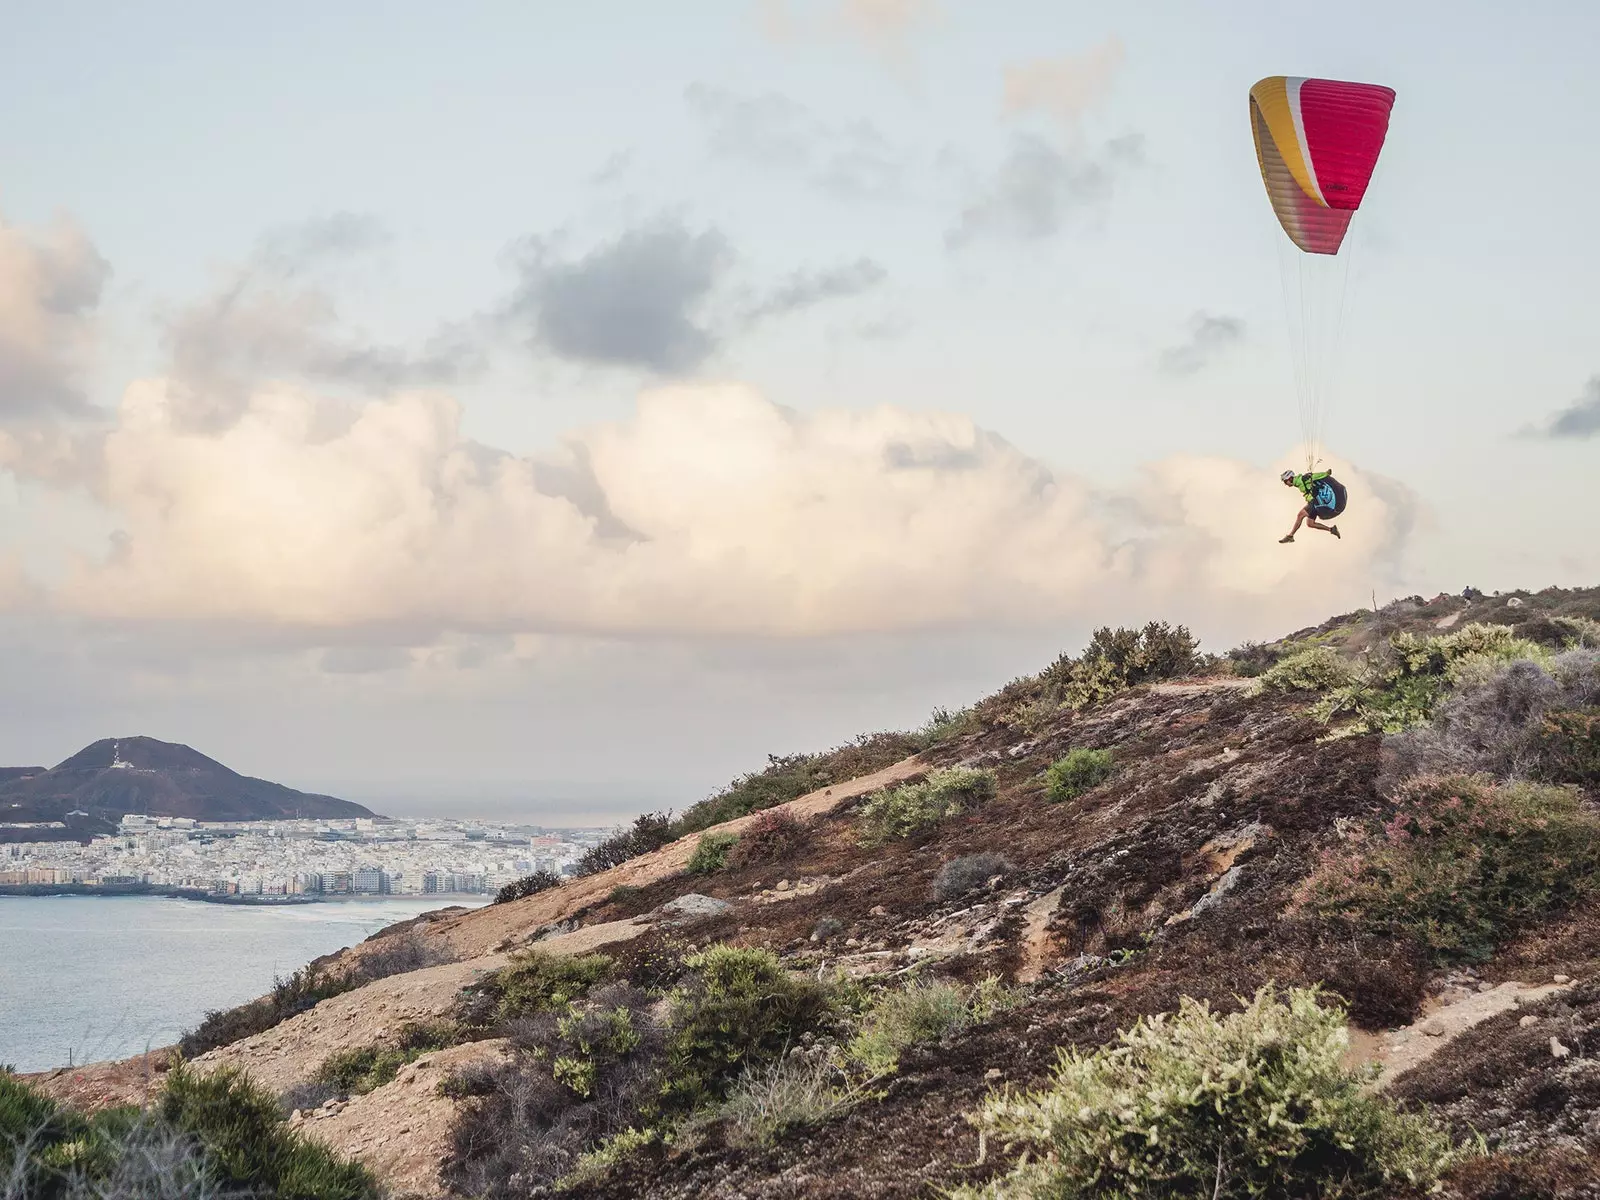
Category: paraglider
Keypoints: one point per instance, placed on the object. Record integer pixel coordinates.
(1325, 500)
(1317, 143)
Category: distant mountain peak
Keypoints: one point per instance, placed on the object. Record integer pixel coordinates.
(144, 753)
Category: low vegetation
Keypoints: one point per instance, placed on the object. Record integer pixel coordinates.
(362, 1069)
(774, 835)
(649, 832)
(1461, 865)
(535, 981)
(212, 1135)
(913, 808)
(920, 1013)
(528, 885)
(1080, 771)
(962, 876)
(606, 1067)
(711, 853)
(1254, 1104)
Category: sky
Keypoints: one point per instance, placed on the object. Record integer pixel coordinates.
(555, 409)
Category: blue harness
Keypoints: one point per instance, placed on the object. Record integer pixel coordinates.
(1324, 497)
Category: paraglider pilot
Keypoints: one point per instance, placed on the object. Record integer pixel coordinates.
(1325, 499)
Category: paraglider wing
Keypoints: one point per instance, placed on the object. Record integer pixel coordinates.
(1317, 141)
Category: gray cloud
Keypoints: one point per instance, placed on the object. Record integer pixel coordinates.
(50, 285)
(274, 319)
(363, 660)
(1208, 337)
(852, 160)
(1040, 187)
(1580, 419)
(805, 288)
(658, 298)
(638, 301)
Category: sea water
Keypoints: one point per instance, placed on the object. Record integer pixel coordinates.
(87, 978)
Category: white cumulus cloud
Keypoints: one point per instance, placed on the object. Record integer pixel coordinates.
(708, 511)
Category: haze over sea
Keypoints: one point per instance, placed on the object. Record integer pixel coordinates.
(99, 977)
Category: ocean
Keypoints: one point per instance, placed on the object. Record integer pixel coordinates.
(87, 978)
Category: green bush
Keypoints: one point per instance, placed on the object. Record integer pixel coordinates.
(243, 1134)
(363, 1069)
(711, 853)
(1461, 865)
(735, 1010)
(914, 807)
(1080, 771)
(648, 833)
(919, 1013)
(1254, 1105)
(964, 875)
(537, 981)
(1422, 671)
(528, 885)
(1319, 669)
(593, 1164)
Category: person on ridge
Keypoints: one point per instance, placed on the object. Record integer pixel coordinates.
(1325, 499)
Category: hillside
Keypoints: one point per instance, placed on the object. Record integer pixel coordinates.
(845, 975)
(90, 791)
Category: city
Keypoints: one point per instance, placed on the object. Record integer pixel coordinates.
(301, 859)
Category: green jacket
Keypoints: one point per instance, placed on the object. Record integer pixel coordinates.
(1307, 482)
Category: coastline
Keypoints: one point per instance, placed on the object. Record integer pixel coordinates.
(445, 899)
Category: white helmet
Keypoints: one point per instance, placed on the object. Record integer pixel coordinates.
(1287, 477)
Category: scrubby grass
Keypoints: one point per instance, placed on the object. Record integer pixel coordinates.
(613, 1069)
(1521, 719)
(919, 1013)
(528, 885)
(794, 1091)
(711, 853)
(1402, 691)
(1255, 1104)
(1317, 669)
(204, 1136)
(536, 981)
(1461, 865)
(964, 875)
(737, 1009)
(363, 1069)
(913, 808)
(1080, 771)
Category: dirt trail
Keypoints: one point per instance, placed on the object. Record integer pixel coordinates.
(402, 1130)
(1443, 1018)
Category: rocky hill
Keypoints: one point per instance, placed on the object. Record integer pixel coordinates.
(90, 791)
(968, 960)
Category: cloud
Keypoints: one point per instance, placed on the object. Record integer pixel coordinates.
(1063, 88)
(806, 288)
(708, 513)
(1580, 419)
(1039, 188)
(50, 285)
(659, 298)
(1209, 336)
(274, 319)
(639, 301)
(852, 160)
(885, 27)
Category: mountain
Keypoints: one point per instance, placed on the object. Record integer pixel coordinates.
(92, 790)
(855, 973)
